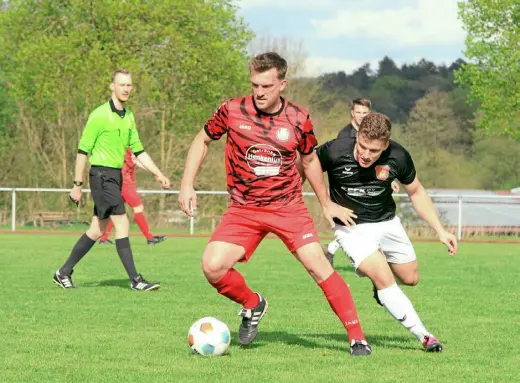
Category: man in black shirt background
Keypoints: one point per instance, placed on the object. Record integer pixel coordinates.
(359, 109)
(360, 175)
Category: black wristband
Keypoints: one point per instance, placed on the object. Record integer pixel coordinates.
(78, 183)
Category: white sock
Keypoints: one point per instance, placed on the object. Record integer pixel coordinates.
(333, 247)
(400, 307)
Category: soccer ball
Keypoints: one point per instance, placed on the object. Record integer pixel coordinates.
(209, 337)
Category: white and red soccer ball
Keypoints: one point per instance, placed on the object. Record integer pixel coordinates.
(209, 337)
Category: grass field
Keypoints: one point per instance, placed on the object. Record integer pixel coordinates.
(104, 332)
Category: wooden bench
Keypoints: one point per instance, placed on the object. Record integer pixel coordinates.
(53, 218)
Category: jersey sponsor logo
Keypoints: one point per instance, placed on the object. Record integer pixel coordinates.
(244, 127)
(265, 160)
(382, 172)
(282, 134)
(348, 171)
(364, 191)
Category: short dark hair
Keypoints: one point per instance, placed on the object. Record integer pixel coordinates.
(119, 71)
(269, 60)
(361, 101)
(376, 126)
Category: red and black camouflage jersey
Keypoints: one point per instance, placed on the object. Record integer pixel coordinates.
(261, 151)
(128, 168)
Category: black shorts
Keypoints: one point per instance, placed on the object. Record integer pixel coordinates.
(105, 187)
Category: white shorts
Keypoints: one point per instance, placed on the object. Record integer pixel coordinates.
(361, 241)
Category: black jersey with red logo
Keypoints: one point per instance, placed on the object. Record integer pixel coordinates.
(367, 191)
(261, 151)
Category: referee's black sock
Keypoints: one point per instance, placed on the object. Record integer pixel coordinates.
(79, 250)
(125, 253)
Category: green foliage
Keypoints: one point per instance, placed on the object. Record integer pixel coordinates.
(186, 57)
(493, 71)
(497, 161)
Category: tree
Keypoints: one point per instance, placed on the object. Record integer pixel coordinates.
(387, 67)
(433, 123)
(497, 161)
(492, 73)
(187, 56)
(361, 78)
(439, 143)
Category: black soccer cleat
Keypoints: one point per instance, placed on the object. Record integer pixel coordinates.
(140, 284)
(251, 318)
(107, 242)
(156, 239)
(431, 344)
(360, 348)
(64, 281)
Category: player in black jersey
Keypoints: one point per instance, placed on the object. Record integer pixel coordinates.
(359, 109)
(360, 175)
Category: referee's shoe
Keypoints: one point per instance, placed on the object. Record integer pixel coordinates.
(139, 283)
(64, 281)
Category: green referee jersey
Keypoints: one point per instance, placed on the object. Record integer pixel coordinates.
(107, 135)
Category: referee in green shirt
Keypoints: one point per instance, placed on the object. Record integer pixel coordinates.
(109, 131)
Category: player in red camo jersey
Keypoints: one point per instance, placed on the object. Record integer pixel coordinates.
(131, 197)
(264, 133)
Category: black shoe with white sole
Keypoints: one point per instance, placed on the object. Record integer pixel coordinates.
(360, 348)
(139, 283)
(64, 281)
(156, 239)
(251, 318)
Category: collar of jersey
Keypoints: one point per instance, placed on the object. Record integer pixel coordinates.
(269, 114)
(120, 113)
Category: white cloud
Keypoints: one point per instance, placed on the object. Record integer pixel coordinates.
(425, 22)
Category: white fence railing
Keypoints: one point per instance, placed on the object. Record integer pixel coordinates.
(482, 209)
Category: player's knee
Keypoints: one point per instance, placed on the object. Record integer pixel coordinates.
(94, 233)
(213, 267)
(139, 209)
(411, 280)
(318, 267)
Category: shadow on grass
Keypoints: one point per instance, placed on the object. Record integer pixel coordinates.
(121, 283)
(323, 341)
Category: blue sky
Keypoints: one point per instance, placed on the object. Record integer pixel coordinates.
(344, 34)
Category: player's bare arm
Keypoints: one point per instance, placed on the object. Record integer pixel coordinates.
(314, 173)
(149, 165)
(423, 204)
(81, 162)
(196, 155)
(138, 163)
(299, 166)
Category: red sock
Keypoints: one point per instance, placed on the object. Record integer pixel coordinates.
(233, 286)
(340, 299)
(141, 221)
(109, 228)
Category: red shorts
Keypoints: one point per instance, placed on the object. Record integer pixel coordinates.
(130, 195)
(247, 226)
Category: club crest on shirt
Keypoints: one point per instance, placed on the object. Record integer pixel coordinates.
(282, 134)
(382, 172)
